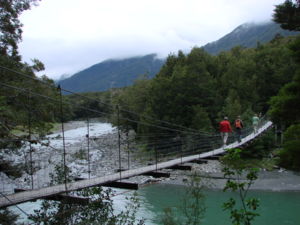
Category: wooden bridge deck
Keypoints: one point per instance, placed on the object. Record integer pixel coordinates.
(34, 194)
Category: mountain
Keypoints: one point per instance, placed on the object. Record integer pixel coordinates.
(247, 35)
(113, 73)
(123, 72)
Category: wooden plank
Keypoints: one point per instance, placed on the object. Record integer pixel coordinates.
(212, 157)
(69, 199)
(30, 195)
(199, 161)
(157, 174)
(180, 167)
(123, 185)
(79, 178)
(61, 197)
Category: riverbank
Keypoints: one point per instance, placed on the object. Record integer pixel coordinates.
(212, 178)
(211, 172)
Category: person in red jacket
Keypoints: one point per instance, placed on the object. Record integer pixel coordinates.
(225, 129)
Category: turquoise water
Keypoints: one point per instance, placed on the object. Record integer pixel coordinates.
(276, 208)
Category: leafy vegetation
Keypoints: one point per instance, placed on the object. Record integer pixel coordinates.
(7, 217)
(290, 154)
(23, 110)
(99, 209)
(191, 90)
(234, 172)
(196, 90)
(193, 205)
(284, 107)
(287, 15)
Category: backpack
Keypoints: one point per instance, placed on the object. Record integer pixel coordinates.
(238, 124)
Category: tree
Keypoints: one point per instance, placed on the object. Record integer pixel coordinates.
(234, 172)
(290, 154)
(192, 205)
(284, 106)
(99, 209)
(288, 15)
(11, 27)
(201, 119)
(7, 217)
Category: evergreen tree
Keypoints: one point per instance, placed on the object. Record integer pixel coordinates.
(11, 27)
(287, 15)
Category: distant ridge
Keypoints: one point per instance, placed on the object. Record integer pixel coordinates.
(247, 35)
(113, 73)
(122, 72)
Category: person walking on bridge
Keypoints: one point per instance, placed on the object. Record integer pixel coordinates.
(225, 129)
(238, 124)
(255, 121)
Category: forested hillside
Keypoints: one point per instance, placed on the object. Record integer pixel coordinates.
(122, 72)
(248, 35)
(18, 80)
(113, 73)
(196, 90)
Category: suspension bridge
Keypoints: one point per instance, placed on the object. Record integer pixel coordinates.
(89, 154)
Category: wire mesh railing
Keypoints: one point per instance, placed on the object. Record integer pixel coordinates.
(94, 149)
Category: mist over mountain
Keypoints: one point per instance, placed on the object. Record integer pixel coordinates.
(113, 73)
(247, 35)
(122, 72)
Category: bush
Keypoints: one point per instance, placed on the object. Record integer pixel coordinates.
(13, 171)
(290, 154)
(261, 147)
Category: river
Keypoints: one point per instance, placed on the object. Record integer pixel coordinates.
(276, 208)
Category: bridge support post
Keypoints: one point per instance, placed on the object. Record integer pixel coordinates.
(63, 137)
(119, 140)
(128, 149)
(88, 147)
(29, 138)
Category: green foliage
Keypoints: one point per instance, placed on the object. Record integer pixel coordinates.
(261, 147)
(169, 217)
(61, 175)
(132, 102)
(99, 210)
(196, 90)
(11, 170)
(287, 15)
(201, 120)
(11, 27)
(80, 154)
(193, 205)
(87, 105)
(284, 106)
(234, 172)
(7, 217)
(290, 154)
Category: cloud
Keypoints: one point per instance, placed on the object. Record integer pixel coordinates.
(70, 35)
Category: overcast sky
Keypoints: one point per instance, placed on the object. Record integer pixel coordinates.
(71, 35)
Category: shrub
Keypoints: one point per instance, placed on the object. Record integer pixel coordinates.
(290, 154)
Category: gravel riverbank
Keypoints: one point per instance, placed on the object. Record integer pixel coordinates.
(212, 177)
(276, 180)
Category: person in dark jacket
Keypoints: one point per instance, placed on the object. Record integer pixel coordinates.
(238, 124)
(225, 129)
